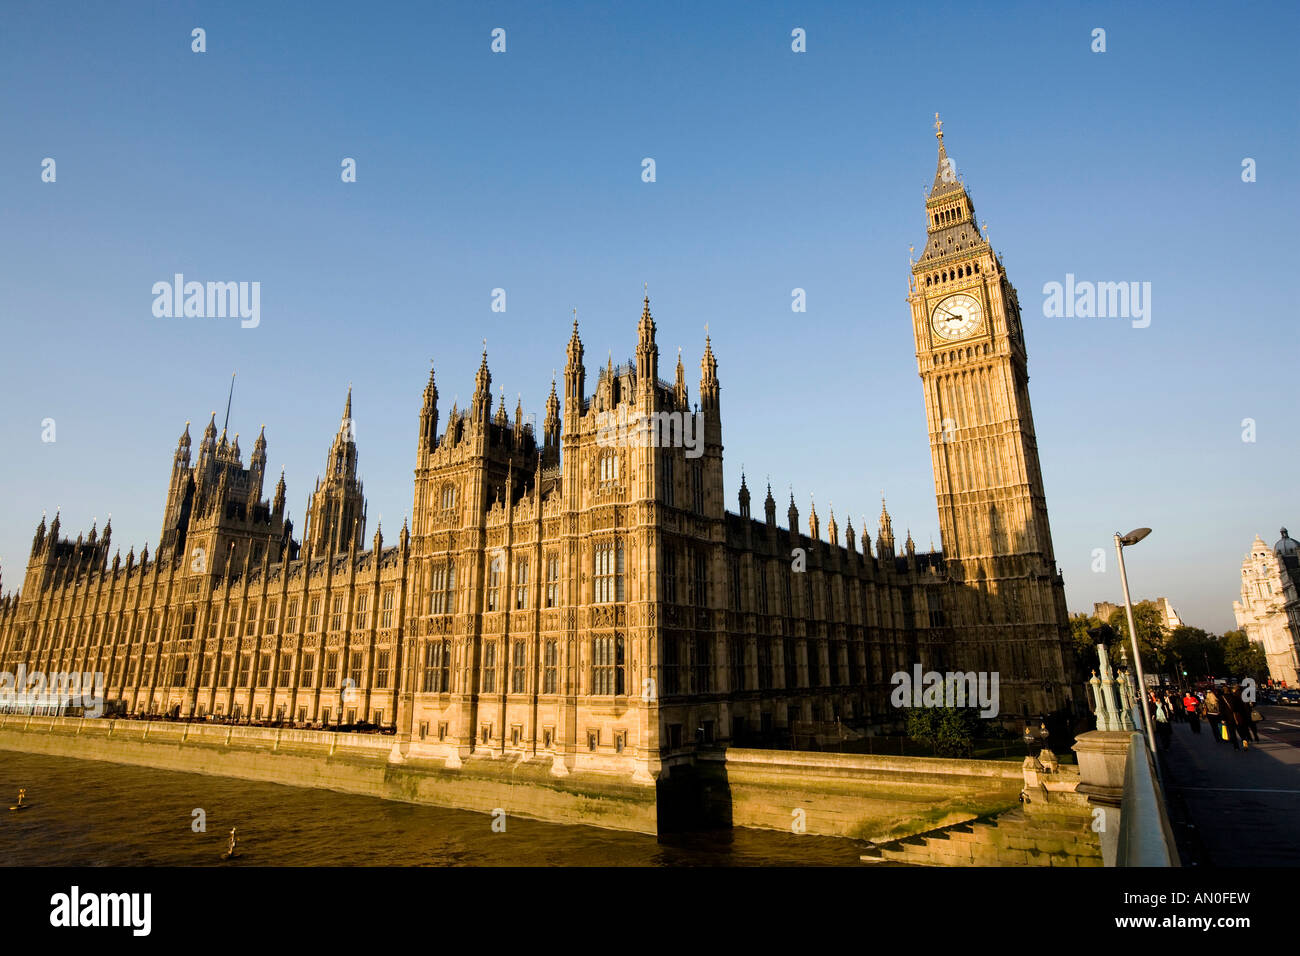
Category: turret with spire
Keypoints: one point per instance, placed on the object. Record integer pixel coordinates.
(679, 387)
(551, 426)
(257, 467)
(182, 458)
(38, 539)
(277, 505)
(481, 407)
(500, 420)
(575, 375)
(709, 388)
(337, 510)
(429, 417)
(647, 356)
(885, 537)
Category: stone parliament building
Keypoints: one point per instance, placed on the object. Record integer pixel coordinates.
(561, 597)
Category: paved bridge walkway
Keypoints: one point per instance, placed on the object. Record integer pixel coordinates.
(1236, 808)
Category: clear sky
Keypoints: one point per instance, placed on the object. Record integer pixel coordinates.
(775, 170)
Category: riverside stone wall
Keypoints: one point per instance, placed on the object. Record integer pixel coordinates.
(845, 795)
(350, 763)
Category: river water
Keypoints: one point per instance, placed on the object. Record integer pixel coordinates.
(92, 813)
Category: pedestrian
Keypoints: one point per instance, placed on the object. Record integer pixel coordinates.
(1229, 718)
(1212, 713)
(1164, 729)
(1241, 712)
(1190, 708)
(1253, 717)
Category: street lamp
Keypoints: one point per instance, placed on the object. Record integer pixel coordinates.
(1122, 541)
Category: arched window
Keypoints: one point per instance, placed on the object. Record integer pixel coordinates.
(448, 497)
(609, 466)
(609, 572)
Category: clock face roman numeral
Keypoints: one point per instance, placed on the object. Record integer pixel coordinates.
(956, 317)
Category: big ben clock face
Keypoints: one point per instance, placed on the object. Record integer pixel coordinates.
(957, 316)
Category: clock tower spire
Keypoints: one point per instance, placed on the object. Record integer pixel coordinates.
(997, 544)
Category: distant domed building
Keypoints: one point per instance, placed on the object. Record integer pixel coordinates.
(1269, 609)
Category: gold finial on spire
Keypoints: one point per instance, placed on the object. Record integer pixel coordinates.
(938, 126)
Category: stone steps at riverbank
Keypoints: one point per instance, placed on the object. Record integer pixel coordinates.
(1047, 836)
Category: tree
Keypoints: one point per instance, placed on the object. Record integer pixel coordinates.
(1196, 652)
(1243, 657)
(949, 730)
(1150, 634)
(1085, 651)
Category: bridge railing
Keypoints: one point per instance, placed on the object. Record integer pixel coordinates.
(1145, 836)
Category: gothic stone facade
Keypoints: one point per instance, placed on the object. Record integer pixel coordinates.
(578, 598)
(1269, 609)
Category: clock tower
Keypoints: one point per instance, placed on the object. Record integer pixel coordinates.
(1008, 600)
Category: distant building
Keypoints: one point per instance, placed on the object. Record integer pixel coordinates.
(1169, 618)
(1269, 609)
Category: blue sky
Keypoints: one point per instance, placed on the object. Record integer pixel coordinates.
(775, 170)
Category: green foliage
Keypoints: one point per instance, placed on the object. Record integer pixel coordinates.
(1150, 633)
(950, 731)
(1195, 651)
(1243, 657)
(1085, 651)
(1191, 649)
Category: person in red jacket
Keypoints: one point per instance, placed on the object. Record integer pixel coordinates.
(1190, 707)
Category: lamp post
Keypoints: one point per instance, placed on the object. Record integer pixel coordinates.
(1121, 541)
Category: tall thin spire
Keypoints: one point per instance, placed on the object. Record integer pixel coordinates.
(229, 398)
(945, 175)
(646, 327)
